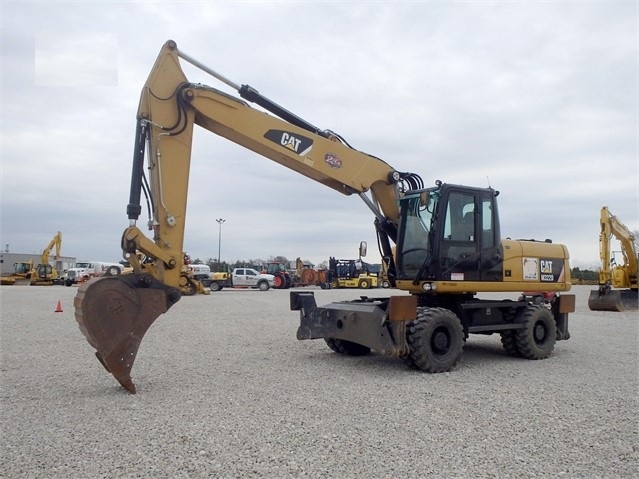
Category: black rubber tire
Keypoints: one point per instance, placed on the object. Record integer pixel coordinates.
(334, 284)
(347, 348)
(364, 284)
(215, 286)
(509, 342)
(435, 339)
(113, 271)
(537, 339)
(263, 286)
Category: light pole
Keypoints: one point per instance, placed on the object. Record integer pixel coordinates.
(219, 242)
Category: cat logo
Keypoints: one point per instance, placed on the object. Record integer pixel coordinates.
(547, 273)
(297, 143)
(546, 266)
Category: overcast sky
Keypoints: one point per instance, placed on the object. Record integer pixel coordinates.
(536, 99)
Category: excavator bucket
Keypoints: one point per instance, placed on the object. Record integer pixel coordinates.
(114, 313)
(613, 300)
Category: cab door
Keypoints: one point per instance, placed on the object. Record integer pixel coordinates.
(239, 278)
(459, 246)
(491, 254)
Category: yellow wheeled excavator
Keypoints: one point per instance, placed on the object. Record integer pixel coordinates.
(447, 243)
(618, 287)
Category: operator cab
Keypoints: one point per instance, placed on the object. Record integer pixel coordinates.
(449, 233)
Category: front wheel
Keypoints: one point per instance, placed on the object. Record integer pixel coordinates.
(215, 286)
(538, 337)
(364, 284)
(435, 339)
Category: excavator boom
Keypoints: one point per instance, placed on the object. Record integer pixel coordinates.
(56, 243)
(114, 312)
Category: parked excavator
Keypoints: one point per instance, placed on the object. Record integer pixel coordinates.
(617, 282)
(448, 247)
(22, 272)
(44, 274)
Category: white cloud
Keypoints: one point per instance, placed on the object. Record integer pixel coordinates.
(67, 58)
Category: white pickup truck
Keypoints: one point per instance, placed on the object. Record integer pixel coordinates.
(241, 278)
(85, 270)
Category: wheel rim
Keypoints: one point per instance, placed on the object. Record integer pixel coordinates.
(540, 333)
(440, 341)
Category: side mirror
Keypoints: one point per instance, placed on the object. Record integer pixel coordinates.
(362, 248)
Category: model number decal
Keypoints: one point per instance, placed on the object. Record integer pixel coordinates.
(551, 270)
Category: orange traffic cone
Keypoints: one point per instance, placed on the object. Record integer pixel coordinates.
(58, 309)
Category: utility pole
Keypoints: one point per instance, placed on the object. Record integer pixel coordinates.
(219, 242)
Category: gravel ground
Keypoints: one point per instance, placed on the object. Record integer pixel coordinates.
(225, 390)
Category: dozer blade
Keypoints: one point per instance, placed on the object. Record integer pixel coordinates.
(114, 313)
(613, 300)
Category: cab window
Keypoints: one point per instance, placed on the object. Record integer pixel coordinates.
(460, 218)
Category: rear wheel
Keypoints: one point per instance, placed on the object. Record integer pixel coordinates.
(347, 348)
(215, 286)
(279, 282)
(435, 339)
(263, 286)
(538, 337)
(509, 342)
(364, 284)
